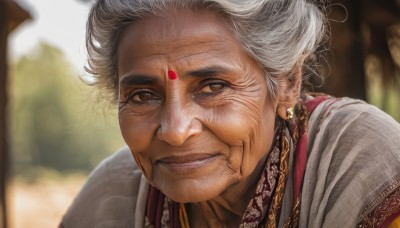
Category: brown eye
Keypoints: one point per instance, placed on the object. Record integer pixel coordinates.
(144, 97)
(212, 88)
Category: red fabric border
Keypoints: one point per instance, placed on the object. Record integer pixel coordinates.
(300, 154)
(385, 212)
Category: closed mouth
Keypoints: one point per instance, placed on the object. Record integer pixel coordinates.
(186, 162)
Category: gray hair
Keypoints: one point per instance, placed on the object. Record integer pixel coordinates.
(278, 34)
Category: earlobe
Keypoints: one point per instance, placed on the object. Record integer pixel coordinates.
(290, 93)
(286, 112)
(281, 112)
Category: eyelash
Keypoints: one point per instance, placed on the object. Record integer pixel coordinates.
(142, 92)
(200, 94)
(223, 85)
(129, 99)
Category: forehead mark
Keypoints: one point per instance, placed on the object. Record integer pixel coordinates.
(172, 75)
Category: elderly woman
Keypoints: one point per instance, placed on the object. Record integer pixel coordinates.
(218, 127)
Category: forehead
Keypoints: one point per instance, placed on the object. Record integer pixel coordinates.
(175, 36)
(179, 25)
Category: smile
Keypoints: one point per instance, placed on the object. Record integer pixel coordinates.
(187, 162)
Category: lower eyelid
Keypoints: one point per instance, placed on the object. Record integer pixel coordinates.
(210, 94)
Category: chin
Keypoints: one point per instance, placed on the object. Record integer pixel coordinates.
(182, 195)
(192, 190)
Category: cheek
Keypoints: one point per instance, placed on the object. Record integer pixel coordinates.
(130, 133)
(138, 133)
(248, 128)
(242, 120)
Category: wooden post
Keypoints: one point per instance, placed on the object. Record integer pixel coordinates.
(346, 75)
(3, 111)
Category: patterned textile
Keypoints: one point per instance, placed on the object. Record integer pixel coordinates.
(161, 212)
(385, 211)
(343, 170)
(259, 204)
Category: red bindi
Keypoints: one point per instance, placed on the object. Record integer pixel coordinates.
(172, 75)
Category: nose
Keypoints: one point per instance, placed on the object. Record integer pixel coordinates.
(178, 123)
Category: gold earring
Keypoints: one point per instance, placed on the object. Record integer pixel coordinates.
(289, 113)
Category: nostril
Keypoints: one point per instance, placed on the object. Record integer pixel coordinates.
(177, 124)
(172, 136)
(177, 135)
(161, 132)
(195, 127)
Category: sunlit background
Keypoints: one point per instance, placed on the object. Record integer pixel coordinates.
(59, 130)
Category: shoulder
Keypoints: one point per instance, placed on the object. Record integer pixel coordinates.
(109, 196)
(352, 124)
(353, 164)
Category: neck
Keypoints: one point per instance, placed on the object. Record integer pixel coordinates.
(227, 209)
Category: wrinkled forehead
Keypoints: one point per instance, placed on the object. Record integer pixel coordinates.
(182, 27)
(176, 35)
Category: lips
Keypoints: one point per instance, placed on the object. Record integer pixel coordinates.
(186, 162)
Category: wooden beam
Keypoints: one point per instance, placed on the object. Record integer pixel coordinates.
(3, 111)
(16, 14)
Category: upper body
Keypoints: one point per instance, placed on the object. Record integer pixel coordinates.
(222, 132)
(352, 175)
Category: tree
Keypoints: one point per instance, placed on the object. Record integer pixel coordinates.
(49, 124)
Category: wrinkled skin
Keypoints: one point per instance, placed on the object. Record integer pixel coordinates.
(204, 137)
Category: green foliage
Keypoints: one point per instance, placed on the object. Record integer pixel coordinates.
(383, 94)
(51, 124)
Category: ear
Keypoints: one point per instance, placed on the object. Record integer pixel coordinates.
(289, 92)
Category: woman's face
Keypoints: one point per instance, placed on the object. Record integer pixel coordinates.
(210, 129)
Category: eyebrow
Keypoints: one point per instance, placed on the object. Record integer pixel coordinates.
(133, 79)
(139, 79)
(207, 72)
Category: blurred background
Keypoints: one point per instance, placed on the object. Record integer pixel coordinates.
(54, 130)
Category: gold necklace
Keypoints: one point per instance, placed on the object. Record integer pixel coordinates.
(183, 218)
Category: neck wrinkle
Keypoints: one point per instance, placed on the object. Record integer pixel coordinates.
(230, 206)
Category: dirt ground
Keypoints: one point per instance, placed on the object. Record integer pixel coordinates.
(41, 204)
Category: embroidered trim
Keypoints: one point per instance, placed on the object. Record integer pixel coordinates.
(275, 211)
(388, 207)
(294, 218)
(259, 204)
(394, 185)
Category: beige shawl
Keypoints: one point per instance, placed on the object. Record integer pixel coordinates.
(352, 176)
